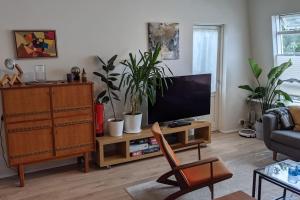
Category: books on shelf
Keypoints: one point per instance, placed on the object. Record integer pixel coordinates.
(152, 149)
(143, 146)
(138, 147)
(137, 153)
(152, 141)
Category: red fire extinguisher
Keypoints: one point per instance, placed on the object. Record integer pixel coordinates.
(99, 109)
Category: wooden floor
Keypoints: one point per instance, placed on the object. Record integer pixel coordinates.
(69, 183)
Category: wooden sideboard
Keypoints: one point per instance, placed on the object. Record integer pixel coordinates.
(48, 121)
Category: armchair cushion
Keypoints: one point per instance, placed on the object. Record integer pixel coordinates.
(201, 174)
(289, 138)
(295, 112)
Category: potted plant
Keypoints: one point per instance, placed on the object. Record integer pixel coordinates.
(115, 125)
(142, 77)
(268, 95)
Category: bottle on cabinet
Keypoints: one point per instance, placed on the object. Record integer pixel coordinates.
(83, 76)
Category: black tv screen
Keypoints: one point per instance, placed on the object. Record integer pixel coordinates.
(186, 97)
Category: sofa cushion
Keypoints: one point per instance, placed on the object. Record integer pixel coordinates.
(295, 112)
(288, 138)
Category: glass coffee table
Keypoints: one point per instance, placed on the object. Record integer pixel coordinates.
(283, 174)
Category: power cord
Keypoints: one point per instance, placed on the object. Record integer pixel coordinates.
(2, 146)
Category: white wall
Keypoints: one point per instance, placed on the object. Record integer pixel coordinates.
(107, 27)
(260, 13)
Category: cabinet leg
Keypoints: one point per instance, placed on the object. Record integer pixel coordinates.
(86, 162)
(21, 175)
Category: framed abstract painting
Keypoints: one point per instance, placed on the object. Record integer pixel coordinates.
(167, 35)
(35, 43)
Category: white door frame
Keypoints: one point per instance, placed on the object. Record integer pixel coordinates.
(218, 107)
(220, 80)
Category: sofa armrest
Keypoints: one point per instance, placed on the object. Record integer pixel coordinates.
(270, 124)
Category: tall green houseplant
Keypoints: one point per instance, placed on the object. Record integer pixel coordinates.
(110, 94)
(141, 78)
(269, 94)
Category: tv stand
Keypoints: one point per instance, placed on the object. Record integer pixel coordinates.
(116, 150)
(178, 124)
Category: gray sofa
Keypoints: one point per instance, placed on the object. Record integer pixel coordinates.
(280, 141)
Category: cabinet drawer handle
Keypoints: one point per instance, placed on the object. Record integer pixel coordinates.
(70, 109)
(73, 123)
(30, 154)
(73, 147)
(27, 114)
(15, 130)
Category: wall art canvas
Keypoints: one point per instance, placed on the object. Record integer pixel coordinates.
(35, 43)
(167, 35)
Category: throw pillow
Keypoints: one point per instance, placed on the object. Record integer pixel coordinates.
(295, 112)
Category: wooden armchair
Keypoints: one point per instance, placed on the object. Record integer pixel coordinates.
(191, 176)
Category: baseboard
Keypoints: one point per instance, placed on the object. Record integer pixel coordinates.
(229, 131)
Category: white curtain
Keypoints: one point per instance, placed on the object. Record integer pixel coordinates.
(205, 52)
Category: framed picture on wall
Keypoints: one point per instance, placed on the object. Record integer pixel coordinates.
(35, 43)
(167, 35)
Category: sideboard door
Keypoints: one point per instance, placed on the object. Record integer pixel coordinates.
(27, 115)
(73, 119)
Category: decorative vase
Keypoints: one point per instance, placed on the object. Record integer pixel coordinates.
(115, 127)
(99, 110)
(133, 123)
(259, 130)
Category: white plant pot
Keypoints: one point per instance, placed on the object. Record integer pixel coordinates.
(259, 130)
(115, 127)
(133, 123)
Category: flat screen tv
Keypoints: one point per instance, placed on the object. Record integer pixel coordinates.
(186, 97)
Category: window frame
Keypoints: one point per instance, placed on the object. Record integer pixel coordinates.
(277, 41)
(277, 33)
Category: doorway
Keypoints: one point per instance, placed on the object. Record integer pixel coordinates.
(207, 58)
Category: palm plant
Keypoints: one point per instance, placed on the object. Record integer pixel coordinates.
(268, 95)
(109, 78)
(143, 76)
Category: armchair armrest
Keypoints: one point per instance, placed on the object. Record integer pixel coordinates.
(197, 163)
(270, 124)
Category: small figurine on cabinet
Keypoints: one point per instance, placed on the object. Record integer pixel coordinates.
(76, 73)
(16, 77)
(83, 76)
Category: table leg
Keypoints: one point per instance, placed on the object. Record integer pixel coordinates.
(254, 184)
(284, 194)
(259, 188)
(199, 152)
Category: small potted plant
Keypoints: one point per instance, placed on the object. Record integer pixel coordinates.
(115, 125)
(142, 77)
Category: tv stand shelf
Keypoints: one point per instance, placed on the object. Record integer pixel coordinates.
(115, 150)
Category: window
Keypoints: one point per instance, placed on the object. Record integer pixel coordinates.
(205, 52)
(286, 44)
